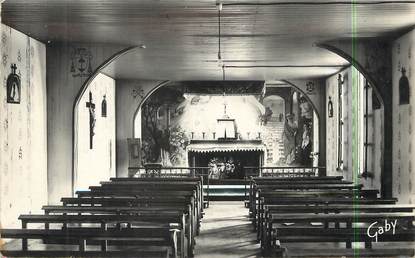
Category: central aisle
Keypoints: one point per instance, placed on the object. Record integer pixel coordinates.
(226, 232)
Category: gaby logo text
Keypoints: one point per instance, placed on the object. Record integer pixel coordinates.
(374, 230)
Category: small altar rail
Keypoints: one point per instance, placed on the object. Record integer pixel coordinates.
(283, 171)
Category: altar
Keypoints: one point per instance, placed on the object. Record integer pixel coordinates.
(226, 159)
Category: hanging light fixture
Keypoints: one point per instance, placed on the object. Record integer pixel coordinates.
(220, 61)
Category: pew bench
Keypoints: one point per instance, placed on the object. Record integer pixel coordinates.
(327, 209)
(348, 253)
(144, 237)
(277, 197)
(142, 202)
(132, 253)
(274, 231)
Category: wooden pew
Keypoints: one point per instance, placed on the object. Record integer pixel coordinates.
(279, 194)
(352, 233)
(310, 200)
(111, 190)
(159, 187)
(134, 253)
(143, 201)
(130, 237)
(176, 221)
(199, 180)
(330, 208)
(259, 181)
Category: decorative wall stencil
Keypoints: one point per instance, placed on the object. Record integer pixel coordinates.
(19, 56)
(4, 59)
(23, 127)
(310, 88)
(220, 87)
(404, 88)
(402, 148)
(330, 108)
(104, 107)
(3, 38)
(91, 107)
(81, 62)
(13, 86)
(138, 92)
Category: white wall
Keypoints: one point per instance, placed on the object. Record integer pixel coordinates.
(23, 160)
(96, 164)
(63, 88)
(403, 51)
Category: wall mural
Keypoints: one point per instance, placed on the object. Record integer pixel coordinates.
(297, 135)
(162, 141)
(173, 116)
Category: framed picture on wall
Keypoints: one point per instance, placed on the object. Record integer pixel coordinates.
(134, 151)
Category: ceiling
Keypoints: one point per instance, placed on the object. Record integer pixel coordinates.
(260, 39)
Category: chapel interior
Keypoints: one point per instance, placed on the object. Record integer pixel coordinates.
(207, 128)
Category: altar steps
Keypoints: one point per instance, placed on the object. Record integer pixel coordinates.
(226, 189)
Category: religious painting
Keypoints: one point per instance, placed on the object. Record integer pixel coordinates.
(163, 140)
(134, 150)
(298, 133)
(13, 86)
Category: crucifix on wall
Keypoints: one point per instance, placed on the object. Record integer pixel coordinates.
(91, 106)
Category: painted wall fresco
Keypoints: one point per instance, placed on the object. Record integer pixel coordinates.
(403, 70)
(170, 119)
(374, 132)
(23, 160)
(97, 163)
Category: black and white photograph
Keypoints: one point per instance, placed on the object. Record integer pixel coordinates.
(207, 128)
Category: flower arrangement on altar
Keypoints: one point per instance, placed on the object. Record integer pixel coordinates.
(221, 168)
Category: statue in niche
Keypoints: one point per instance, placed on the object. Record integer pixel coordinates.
(13, 86)
(403, 88)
